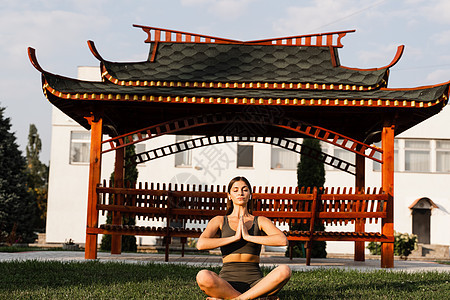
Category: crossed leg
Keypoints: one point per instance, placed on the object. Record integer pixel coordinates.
(216, 287)
(270, 284)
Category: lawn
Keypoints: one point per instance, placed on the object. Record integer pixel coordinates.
(12, 249)
(114, 280)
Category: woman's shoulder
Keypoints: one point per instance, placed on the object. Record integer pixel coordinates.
(217, 220)
(263, 221)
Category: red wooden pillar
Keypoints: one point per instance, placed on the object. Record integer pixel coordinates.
(116, 239)
(360, 182)
(387, 173)
(94, 179)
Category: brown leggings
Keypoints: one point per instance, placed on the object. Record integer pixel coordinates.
(241, 275)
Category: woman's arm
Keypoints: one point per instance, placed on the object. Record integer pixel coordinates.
(273, 237)
(207, 239)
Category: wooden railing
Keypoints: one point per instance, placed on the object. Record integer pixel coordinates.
(191, 204)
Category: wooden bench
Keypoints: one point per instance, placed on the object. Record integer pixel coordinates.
(178, 204)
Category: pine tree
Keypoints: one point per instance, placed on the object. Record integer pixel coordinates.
(310, 174)
(130, 177)
(37, 177)
(17, 210)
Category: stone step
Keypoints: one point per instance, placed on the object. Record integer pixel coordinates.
(431, 251)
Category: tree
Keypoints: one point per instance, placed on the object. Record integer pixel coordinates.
(130, 177)
(17, 209)
(310, 174)
(37, 177)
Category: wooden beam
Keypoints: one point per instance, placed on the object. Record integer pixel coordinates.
(311, 227)
(360, 182)
(387, 174)
(116, 239)
(94, 179)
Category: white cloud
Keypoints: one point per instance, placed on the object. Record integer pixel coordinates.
(441, 38)
(224, 9)
(194, 2)
(437, 76)
(438, 11)
(320, 15)
(44, 30)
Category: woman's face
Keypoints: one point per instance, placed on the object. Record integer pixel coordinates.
(240, 193)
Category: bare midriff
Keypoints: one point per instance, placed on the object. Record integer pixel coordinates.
(240, 257)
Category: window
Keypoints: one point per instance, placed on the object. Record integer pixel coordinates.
(139, 148)
(417, 155)
(443, 156)
(244, 155)
(345, 155)
(377, 165)
(80, 142)
(282, 158)
(183, 159)
(414, 155)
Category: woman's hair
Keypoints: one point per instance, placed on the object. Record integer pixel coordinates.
(230, 203)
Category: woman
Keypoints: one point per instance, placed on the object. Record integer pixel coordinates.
(240, 235)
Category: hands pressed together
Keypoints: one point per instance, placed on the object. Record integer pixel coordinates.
(241, 230)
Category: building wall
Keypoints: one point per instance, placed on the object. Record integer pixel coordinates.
(217, 165)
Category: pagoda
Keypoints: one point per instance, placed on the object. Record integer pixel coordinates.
(277, 88)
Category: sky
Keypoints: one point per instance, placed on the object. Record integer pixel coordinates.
(59, 29)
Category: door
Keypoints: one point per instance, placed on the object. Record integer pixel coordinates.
(421, 224)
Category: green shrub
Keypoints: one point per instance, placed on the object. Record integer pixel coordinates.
(128, 241)
(404, 244)
(318, 249)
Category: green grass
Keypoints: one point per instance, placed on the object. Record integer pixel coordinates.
(114, 280)
(12, 249)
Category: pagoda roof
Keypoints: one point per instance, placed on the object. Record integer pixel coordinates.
(186, 78)
(191, 62)
(71, 87)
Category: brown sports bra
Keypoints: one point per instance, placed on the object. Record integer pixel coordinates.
(241, 246)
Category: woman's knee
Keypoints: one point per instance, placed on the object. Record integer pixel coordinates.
(284, 272)
(205, 278)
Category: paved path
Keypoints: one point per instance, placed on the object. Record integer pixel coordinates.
(297, 264)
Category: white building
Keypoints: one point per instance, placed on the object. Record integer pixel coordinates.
(422, 167)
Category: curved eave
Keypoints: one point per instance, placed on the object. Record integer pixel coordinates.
(398, 55)
(72, 89)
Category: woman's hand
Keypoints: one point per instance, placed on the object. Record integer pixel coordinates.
(273, 237)
(243, 228)
(238, 234)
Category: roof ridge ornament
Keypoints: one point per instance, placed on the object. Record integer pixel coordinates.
(394, 61)
(326, 39)
(94, 50)
(33, 59)
(156, 34)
